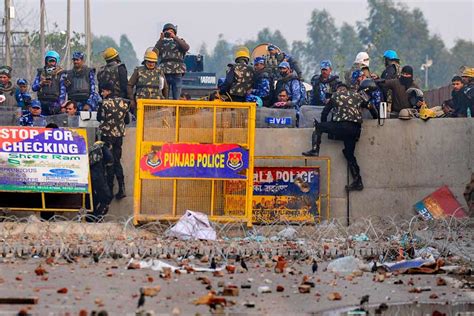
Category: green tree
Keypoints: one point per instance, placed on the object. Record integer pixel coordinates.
(267, 36)
(127, 53)
(348, 44)
(462, 53)
(222, 54)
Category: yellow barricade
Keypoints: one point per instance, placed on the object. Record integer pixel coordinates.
(186, 154)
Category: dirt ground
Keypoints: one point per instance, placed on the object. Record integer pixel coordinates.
(109, 286)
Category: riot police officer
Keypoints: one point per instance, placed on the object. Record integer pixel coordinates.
(346, 125)
(240, 76)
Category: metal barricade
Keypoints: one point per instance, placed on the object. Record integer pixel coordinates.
(186, 154)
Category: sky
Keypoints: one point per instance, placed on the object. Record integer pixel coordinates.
(201, 21)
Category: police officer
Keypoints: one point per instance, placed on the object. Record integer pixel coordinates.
(468, 90)
(369, 89)
(33, 117)
(290, 83)
(80, 83)
(6, 87)
(392, 65)
(22, 96)
(276, 57)
(324, 84)
(171, 50)
(148, 80)
(239, 78)
(99, 158)
(113, 115)
(49, 84)
(113, 72)
(262, 86)
(346, 125)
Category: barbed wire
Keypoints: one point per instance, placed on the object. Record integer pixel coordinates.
(116, 237)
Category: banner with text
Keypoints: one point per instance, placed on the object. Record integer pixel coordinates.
(221, 161)
(43, 160)
(279, 194)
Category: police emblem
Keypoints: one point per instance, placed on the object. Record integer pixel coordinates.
(154, 159)
(234, 160)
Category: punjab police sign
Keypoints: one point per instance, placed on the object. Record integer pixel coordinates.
(225, 161)
(43, 160)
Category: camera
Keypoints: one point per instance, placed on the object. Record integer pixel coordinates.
(167, 34)
(49, 73)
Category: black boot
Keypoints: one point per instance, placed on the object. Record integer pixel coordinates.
(121, 192)
(356, 184)
(315, 142)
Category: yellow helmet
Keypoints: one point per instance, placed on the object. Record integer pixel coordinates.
(110, 53)
(151, 56)
(242, 52)
(426, 113)
(468, 72)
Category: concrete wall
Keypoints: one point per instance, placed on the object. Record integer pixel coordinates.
(401, 162)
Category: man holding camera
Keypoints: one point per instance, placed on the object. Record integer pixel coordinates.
(171, 50)
(49, 84)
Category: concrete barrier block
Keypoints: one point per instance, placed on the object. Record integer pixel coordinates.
(276, 118)
(308, 113)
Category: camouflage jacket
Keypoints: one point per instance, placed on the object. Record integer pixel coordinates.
(9, 92)
(30, 120)
(171, 55)
(148, 83)
(242, 79)
(112, 113)
(345, 106)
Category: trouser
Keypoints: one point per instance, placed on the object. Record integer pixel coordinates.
(237, 98)
(100, 190)
(348, 132)
(115, 170)
(175, 84)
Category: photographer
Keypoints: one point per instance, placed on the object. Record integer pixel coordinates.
(171, 50)
(346, 125)
(49, 84)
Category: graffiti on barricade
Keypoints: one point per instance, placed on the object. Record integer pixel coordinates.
(279, 194)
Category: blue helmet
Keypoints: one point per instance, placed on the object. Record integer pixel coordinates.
(259, 60)
(35, 104)
(22, 82)
(52, 54)
(78, 55)
(325, 64)
(284, 64)
(272, 47)
(390, 54)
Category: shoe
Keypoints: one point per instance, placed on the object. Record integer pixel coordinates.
(311, 153)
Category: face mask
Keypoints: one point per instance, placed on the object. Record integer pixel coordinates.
(406, 81)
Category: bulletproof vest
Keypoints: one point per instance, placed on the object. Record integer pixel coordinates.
(10, 101)
(243, 79)
(95, 153)
(110, 73)
(79, 88)
(50, 93)
(148, 84)
(271, 65)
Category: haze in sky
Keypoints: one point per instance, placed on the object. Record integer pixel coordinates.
(202, 21)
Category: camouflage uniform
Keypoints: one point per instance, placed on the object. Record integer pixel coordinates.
(99, 158)
(53, 95)
(30, 120)
(346, 126)
(115, 73)
(171, 54)
(238, 81)
(112, 114)
(148, 83)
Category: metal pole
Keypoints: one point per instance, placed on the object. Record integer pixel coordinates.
(87, 25)
(348, 210)
(68, 33)
(8, 34)
(426, 72)
(42, 10)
